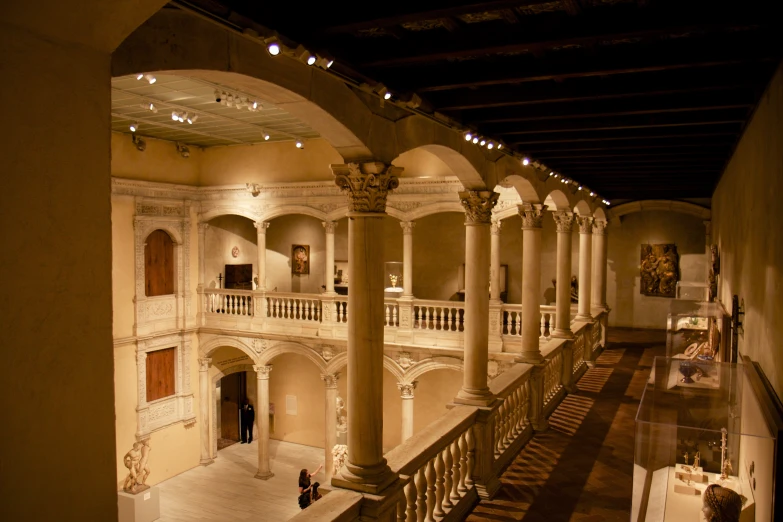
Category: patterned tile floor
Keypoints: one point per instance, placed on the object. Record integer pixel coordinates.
(581, 468)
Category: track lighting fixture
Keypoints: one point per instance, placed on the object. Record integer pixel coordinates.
(468, 136)
(475, 139)
(134, 127)
(592, 194)
(483, 142)
(141, 145)
(150, 78)
(387, 95)
(191, 119)
(273, 47)
(183, 150)
(490, 145)
(299, 144)
(500, 146)
(266, 136)
(140, 76)
(525, 161)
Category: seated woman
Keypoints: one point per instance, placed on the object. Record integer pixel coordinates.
(308, 493)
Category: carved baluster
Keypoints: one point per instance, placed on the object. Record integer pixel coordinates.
(471, 461)
(519, 419)
(410, 497)
(246, 305)
(387, 313)
(431, 497)
(463, 465)
(456, 473)
(512, 421)
(498, 430)
(395, 316)
(440, 489)
(448, 473)
(440, 325)
(421, 494)
(401, 505)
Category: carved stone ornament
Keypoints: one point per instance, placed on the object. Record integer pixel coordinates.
(261, 226)
(204, 363)
(367, 184)
(406, 389)
(327, 352)
(253, 188)
(262, 371)
(405, 360)
(259, 345)
(495, 228)
(137, 462)
(659, 270)
(599, 227)
(478, 205)
(330, 379)
(564, 220)
(585, 224)
(407, 227)
(235, 252)
(329, 226)
(532, 215)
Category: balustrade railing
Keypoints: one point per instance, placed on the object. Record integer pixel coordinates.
(512, 320)
(391, 312)
(438, 315)
(579, 352)
(229, 302)
(553, 374)
(294, 307)
(512, 388)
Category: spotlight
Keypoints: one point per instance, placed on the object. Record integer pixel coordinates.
(255, 105)
(134, 127)
(183, 150)
(468, 136)
(218, 96)
(273, 48)
(174, 115)
(500, 146)
(475, 140)
(329, 63)
(592, 194)
(579, 187)
(387, 95)
(266, 137)
(299, 144)
(191, 119)
(551, 173)
(150, 78)
(557, 176)
(607, 203)
(141, 145)
(151, 107)
(311, 60)
(525, 161)
(490, 145)
(140, 76)
(483, 142)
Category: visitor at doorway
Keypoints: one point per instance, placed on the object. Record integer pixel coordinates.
(308, 493)
(247, 416)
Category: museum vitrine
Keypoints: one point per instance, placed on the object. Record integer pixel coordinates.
(698, 331)
(702, 439)
(692, 291)
(394, 282)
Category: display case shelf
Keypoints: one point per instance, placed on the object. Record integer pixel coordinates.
(698, 331)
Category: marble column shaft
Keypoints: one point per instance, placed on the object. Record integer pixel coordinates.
(202, 245)
(329, 227)
(330, 381)
(585, 267)
(407, 258)
(367, 185)
(203, 391)
(598, 299)
(406, 393)
(262, 410)
(478, 212)
(564, 221)
(494, 261)
(532, 224)
(261, 227)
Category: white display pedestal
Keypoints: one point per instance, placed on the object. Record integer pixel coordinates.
(142, 507)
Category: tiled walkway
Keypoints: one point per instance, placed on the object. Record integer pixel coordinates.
(581, 468)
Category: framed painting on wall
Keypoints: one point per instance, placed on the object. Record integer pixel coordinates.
(659, 270)
(300, 259)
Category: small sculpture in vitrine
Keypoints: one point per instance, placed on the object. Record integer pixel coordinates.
(688, 372)
(697, 460)
(393, 279)
(721, 504)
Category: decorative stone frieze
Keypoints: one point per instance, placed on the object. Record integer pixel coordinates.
(367, 184)
(478, 205)
(330, 379)
(599, 227)
(564, 220)
(406, 389)
(585, 224)
(407, 227)
(329, 226)
(262, 371)
(532, 215)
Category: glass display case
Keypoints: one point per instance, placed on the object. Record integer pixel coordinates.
(698, 331)
(691, 436)
(394, 279)
(692, 291)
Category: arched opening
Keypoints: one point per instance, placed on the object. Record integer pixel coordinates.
(233, 381)
(158, 264)
(230, 253)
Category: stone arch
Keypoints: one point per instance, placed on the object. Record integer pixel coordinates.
(295, 348)
(234, 342)
(557, 200)
(431, 364)
(216, 212)
(340, 361)
(582, 208)
(237, 368)
(288, 210)
(437, 208)
(168, 228)
(599, 213)
(660, 204)
(523, 186)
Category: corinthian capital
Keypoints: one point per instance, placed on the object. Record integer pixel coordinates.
(495, 227)
(599, 227)
(564, 220)
(407, 227)
(585, 224)
(478, 205)
(262, 371)
(204, 363)
(329, 226)
(261, 226)
(532, 215)
(330, 379)
(406, 389)
(367, 184)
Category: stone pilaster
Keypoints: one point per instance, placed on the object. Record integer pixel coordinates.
(407, 258)
(202, 245)
(494, 263)
(204, 398)
(330, 383)
(598, 299)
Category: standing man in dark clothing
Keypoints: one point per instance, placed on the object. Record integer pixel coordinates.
(247, 416)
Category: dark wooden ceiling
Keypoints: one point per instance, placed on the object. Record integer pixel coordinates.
(635, 99)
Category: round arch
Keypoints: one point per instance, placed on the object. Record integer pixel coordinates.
(582, 208)
(217, 212)
(599, 213)
(682, 207)
(294, 348)
(288, 210)
(431, 364)
(340, 361)
(436, 208)
(557, 200)
(173, 233)
(218, 342)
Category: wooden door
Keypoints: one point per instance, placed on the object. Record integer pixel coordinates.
(158, 264)
(234, 390)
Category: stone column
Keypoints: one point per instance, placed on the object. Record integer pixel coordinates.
(478, 213)
(585, 267)
(564, 220)
(262, 408)
(532, 224)
(407, 258)
(329, 227)
(330, 381)
(367, 185)
(261, 227)
(494, 256)
(203, 401)
(598, 299)
(406, 392)
(202, 245)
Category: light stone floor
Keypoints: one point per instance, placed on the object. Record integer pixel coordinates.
(227, 490)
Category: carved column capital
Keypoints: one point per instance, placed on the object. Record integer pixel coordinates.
(261, 226)
(262, 371)
(532, 215)
(407, 227)
(202, 228)
(330, 379)
(599, 227)
(204, 363)
(329, 226)
(585, 224)
(406, 389)
(478, 205)
(495, 227)
(564, 220)
(367, 184)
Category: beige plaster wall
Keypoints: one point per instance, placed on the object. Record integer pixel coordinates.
(392, 412)
(159, 162)
(56, 277)
(438, 253)
(747, 226)
(626, 235)
(223, 234)
(268, 162)
(282, 234)
(123, 265)
(419, 163)
(294, 375)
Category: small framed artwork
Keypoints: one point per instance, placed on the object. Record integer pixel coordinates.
(300, 259)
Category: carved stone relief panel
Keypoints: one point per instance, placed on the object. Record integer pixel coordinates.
(659, 270)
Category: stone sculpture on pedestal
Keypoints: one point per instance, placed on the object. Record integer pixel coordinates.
(136, 460)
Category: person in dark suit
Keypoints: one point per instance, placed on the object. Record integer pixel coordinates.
(247, 416)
